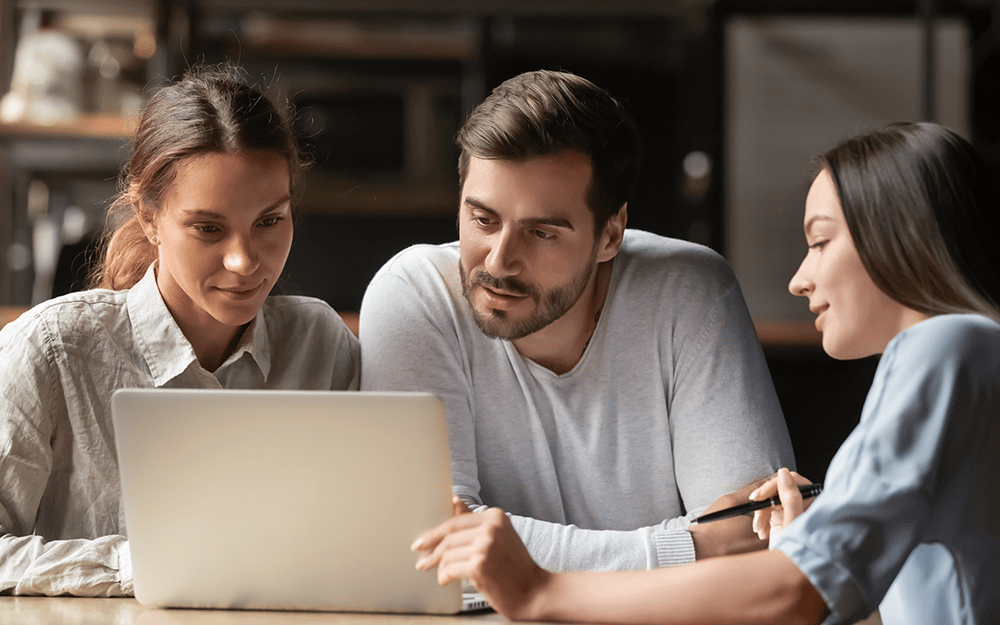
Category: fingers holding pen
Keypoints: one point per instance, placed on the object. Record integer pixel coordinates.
(791, 499)
(765, 519)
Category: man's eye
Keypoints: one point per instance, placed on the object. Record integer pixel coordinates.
(541, 234)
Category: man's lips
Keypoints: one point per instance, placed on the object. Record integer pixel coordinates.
(499, 299)
(502, 293)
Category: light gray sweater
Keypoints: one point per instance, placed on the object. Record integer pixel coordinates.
(601, 468)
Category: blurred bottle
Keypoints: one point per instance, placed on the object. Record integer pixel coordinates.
(47, 82)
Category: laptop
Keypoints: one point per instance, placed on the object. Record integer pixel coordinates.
(284, 500)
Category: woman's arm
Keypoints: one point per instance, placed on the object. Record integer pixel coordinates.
(31, 403)
(762, 587)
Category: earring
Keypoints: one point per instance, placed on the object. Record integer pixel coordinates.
(154, 241)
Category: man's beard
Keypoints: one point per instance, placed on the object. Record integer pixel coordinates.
(549, 305)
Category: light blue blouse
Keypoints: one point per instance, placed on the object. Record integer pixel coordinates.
(910, 513)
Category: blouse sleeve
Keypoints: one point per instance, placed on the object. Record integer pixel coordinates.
(905, 469)
(30, 399)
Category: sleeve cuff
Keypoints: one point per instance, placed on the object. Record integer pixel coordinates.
(125, 569)
(673, 547)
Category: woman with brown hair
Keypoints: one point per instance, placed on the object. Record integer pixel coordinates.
(181, 300)
(902, 261)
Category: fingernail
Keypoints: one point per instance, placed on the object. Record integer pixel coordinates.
(418, 544)
(420, 563)
(753, 495)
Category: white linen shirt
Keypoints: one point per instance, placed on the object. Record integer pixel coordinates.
(601, 468)
(62, 523)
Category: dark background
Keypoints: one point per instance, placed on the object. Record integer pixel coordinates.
(370, 194)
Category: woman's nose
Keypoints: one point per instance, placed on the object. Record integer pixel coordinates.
(240, 257)
(800, 284)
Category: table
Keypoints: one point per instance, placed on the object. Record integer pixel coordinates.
(80, 611)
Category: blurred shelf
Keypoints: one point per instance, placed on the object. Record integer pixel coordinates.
(351, 319)
(772, 333)
(788, 334)
(561, 8)
(326, 194)
(83, 127)
(91, 144)
(10, 313)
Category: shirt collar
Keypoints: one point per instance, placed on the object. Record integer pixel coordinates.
(256, 344)
(166, 350)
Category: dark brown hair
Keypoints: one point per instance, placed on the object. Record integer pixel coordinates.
(923, 209)
(543, 113)
(210, 109)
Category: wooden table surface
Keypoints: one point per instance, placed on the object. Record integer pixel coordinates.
(80, 611)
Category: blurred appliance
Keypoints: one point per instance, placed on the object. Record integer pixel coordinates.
(380, 137)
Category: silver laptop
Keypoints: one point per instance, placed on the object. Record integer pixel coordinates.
(302, 500)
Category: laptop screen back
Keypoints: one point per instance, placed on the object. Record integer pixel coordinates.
(283, 499)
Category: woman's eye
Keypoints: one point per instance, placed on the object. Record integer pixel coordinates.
(818, 245)
(209, 229)
(268, 222)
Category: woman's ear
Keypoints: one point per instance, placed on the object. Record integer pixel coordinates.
(611, 236)
(147, 222)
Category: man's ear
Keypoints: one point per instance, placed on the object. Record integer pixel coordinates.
(611, 236)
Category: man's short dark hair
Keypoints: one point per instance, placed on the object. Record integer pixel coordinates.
(544, 113)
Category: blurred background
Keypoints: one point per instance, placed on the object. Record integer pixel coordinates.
(732, 97)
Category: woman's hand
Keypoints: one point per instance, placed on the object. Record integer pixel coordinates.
(484, 549)
(769, 522)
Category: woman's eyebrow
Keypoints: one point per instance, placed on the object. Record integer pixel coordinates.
(809, 222)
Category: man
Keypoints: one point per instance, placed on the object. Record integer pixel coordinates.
(602, 385)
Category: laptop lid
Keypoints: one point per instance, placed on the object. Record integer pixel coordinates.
(283, 499)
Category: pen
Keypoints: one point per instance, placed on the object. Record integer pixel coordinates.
(807, 490)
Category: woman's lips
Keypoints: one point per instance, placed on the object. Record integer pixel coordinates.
(240, 292)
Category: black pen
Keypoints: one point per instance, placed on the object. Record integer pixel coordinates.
(807, 490)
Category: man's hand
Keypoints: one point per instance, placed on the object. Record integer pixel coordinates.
(728, 536)
(484, 549)
(458, 506)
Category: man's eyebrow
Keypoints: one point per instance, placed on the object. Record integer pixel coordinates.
(473, 202)
(556, 222)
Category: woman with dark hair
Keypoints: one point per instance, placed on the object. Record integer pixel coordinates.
(180, 299)
(900, 225)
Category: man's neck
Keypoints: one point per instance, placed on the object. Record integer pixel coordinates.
(560, 345)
